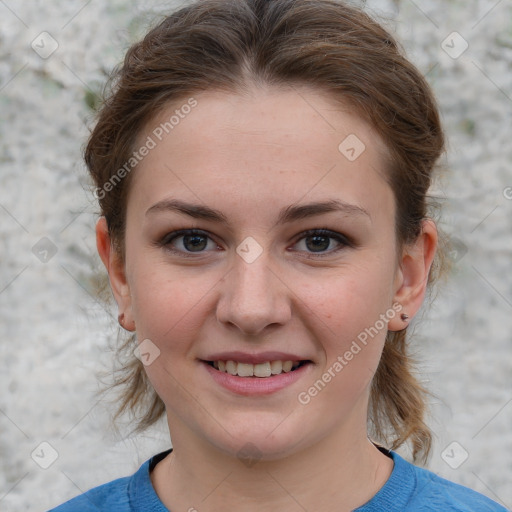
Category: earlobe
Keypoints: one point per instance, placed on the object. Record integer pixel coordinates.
(116, 273)
(414, 271)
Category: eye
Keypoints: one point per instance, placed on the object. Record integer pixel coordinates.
(318, 241)
(188, 241)
(315, 242)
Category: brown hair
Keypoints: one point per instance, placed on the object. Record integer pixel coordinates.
(228, 44)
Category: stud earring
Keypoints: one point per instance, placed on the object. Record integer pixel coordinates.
(404, 317)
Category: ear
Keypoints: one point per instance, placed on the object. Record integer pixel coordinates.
(412, 275)
(116, 273)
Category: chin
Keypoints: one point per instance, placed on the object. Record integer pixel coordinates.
(260, 440)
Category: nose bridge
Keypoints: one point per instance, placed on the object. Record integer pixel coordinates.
(253, 297)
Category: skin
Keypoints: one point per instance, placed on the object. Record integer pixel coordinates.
(250, 155)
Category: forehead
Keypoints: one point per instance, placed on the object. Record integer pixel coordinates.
(266, 146)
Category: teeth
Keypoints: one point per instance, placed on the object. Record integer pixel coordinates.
(276, 367)
(262, 370)
(265, 369)
(231, 367)
(245, 370)
(287, 366)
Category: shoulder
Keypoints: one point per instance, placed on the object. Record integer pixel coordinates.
(112, 496)
(414, 489)
(433, 493)
(127, 494)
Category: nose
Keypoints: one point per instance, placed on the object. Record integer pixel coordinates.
(254, 298)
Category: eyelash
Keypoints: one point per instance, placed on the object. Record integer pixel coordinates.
(343, 240)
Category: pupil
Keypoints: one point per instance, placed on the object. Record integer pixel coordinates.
(319, 242)
(196, 241)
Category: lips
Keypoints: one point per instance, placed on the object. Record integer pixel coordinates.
(260, 373)
(252, 385)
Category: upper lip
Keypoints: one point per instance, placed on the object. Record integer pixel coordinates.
(261, 357)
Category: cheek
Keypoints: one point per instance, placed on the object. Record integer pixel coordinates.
(353, 310)
(353, 297)
(170, 311)
(352, 350)
(168, 307)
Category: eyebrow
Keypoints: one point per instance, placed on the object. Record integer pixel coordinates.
(289, 214)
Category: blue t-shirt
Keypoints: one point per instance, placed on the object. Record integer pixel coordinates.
(408, 489)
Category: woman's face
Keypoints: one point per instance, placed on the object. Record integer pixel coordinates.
(258, 176)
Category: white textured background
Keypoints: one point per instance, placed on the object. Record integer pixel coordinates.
(55, 335)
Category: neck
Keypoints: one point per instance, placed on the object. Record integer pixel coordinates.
(339, 473)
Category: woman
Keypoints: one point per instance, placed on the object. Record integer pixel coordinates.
(262, 168)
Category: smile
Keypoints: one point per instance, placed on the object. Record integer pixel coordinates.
(261, 370)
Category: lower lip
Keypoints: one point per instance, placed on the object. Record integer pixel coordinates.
(250, 386)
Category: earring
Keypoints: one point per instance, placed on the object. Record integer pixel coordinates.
(404, 317)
